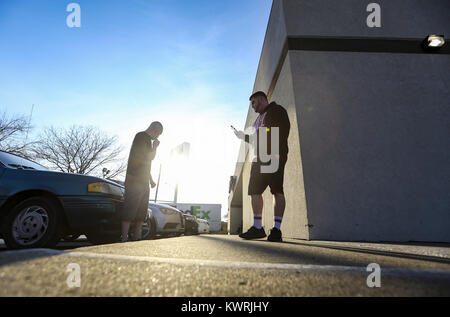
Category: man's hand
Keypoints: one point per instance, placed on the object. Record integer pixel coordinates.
(154, 148)
(240, 134)
(152, 183)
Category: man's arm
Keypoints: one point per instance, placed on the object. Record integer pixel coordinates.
(152, 183)
(278, 118)
(155, 145)
(244, 137)
(152, 157)
(154, 149)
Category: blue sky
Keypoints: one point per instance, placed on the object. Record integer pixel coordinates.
(188, 63)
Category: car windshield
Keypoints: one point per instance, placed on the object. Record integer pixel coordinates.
(17, 162)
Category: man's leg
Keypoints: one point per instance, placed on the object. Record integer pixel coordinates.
(257, 185)
(276, 188)
(256, 231)
(130, 207)
(141, 214)
(125, 229)
(137, 233)
(279, 207)
(257, 205)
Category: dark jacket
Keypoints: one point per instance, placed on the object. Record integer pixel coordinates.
(140, 161)
(274, 116)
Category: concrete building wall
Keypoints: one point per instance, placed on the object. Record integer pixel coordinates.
(295, 221)
(272, 50)
(374, 130)
(235, 220)
(399, 18)
(344, 18)
(247, 214)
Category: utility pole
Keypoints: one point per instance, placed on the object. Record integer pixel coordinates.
(180, 153)
(175, 199)
(159, 179)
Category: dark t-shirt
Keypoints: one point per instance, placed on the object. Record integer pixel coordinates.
(274, 116)
(139, 161)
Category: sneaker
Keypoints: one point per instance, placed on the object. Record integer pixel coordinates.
(253, 233)
(275, 235)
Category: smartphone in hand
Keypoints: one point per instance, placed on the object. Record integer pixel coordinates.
(239, 134)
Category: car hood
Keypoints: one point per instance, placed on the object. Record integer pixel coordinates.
(60, 176)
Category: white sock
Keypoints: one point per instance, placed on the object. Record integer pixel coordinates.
(257, 221)
(277, 222)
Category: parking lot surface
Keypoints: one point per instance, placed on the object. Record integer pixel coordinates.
(221, 265)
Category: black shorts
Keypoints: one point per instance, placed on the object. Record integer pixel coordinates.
(135, 207)
(259, 181)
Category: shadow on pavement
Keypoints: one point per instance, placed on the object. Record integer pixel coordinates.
(273, 248)
(304, 256)
(414, 243)
(429, 258)
(8, 257)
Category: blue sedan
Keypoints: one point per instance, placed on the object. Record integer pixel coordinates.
(38, 207)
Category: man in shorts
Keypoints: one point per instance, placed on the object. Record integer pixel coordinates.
(137, 189)
(271, 115)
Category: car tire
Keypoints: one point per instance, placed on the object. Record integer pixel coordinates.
(35, 222)
(149, 230)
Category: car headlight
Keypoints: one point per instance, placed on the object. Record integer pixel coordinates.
(167, 211)
(105, 188)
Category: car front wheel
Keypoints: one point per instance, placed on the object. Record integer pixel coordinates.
(148, 229)
(33, 223)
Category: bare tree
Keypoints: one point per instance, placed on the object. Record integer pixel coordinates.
(13, 131)
(81, 150)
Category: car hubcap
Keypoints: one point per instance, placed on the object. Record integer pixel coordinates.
(30, 225)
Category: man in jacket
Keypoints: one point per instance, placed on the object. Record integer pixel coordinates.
(271, 116)
(137, 189)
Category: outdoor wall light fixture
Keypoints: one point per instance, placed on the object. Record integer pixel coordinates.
(434, 42)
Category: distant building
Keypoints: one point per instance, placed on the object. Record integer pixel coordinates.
(369, 105)
(210, 212)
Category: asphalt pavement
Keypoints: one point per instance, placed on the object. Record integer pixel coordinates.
(226, 266)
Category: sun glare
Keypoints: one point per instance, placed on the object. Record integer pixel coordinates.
(203, 176)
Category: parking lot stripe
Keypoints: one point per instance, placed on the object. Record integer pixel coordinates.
(261, 266)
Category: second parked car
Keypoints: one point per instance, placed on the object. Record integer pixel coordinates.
(191, 224)
(203, 226)
(168, 220)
